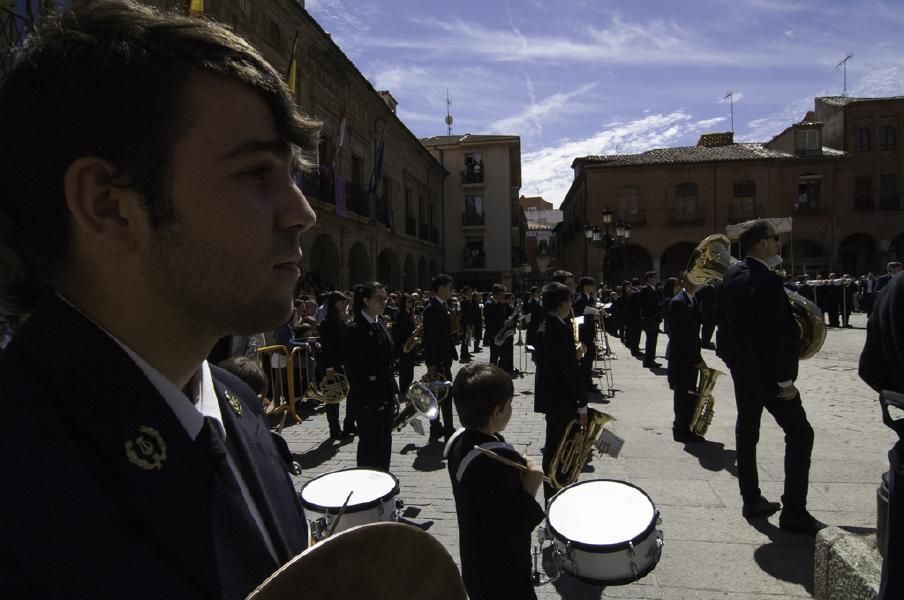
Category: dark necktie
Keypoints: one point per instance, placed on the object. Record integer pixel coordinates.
(243, 560)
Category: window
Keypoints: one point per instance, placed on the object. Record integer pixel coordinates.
(686, 198)
(475, 255)
(808, 188)
(888, 192)
(743, 202)
(357, 170)
(473, 172)
(863, 193)
(628, 201)
(887, 139)
(807, 139)
(410, 221)
(473, 210)
(863, 138)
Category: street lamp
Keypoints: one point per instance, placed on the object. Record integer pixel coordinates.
(604, 238)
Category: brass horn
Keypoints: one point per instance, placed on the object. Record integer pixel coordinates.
(422, 398)
(704, 408)
(575, 448)
(414, 340)
(333, 388)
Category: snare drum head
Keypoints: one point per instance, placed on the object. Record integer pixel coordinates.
(368, 487)
(600, 512)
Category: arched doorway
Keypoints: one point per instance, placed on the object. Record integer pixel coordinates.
(627, 262)
(410, 279)
(858, 254)
(388, 272)
(324, 270)
(423, 276)
(804, 257)
(674, 259)
(358, 265)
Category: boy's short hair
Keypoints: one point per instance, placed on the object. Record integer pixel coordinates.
(248, 370)
(586, 281)
(498, 288)
(553, 295)
(441, 280)
(754, 232)
(478, 389)
(561, 275)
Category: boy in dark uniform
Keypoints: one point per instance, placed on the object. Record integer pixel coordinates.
(495, 502)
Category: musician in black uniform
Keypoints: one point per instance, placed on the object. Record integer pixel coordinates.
(632, 319)
(706, 297)
(585, 299)
(507, 348)
(367, 351)
(650, 302)
(439, 349)
(332, 332)
(402, 329)
(476, 320)
(535, 309)
(467, 314)
(495, 503)
(760, 346)
(683, 354)
(558, 392)
(494, 315)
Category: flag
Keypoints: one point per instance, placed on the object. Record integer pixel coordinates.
(339, 187)
(196, 8)
(375, 177)
(293, 67)
(340, 135)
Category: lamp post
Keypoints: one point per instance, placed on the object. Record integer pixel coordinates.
(606, 238)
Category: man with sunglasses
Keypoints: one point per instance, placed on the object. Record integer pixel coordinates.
(761, 349)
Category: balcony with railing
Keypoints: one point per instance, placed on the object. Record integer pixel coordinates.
(472, 176)
(805, 209)
(472, 219)
(475, 259)
(686, 216)
(632, 217)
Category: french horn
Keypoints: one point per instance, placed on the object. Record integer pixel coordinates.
(333, 388)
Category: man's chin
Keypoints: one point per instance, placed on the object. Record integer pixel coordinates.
(263, 317)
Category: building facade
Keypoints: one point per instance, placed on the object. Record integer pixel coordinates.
(540, 242)
(484, 225)
(397, 238)
(675, 197)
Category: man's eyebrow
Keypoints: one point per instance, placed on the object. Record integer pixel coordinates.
(279, 148)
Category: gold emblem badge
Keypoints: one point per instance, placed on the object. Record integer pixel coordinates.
(234, 403)
(147, 450)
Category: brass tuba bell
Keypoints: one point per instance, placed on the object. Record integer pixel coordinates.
(704, 408)
(422, 398)
(575, 448)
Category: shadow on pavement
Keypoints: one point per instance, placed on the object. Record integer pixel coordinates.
(787, 556)
(714, 457)
(322, 453)
(661, 371)
(427, 458)
(567, 586)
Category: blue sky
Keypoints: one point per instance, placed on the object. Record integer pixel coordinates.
(575, 77)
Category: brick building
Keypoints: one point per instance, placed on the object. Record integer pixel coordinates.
(540, 240)
(675, 197)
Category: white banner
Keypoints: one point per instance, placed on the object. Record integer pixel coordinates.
(781, 224)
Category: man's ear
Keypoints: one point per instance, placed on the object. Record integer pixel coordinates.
(104, 212)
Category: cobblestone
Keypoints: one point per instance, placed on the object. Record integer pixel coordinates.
(710, 550)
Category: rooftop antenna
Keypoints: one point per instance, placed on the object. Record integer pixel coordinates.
(843, 65)
(448, 113)
(730, 97)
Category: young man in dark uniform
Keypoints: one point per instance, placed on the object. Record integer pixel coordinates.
(494, 313)
(585, 299)
(144, 217)
(439, 350)
(650, 301)
(683, 354)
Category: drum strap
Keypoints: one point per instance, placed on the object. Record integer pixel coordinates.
(451, 441)
(474, 453)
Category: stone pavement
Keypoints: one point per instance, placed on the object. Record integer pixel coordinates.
(710, 550)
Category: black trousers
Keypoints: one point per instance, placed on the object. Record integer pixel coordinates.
(477, 333)
(683, 403)
(406, 373)
(706, 331)
(332, 417)
(495, 352)
(651, 330)
(751, 397)
(555, 429)
(586, 365)
(506, 354)
(374, 438)
(632, 333)
(446, 426)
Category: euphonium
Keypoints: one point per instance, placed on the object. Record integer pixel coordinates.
(414, 340)
(423, 397)
(703, 410)
(333, 388)
(575, 448)
(809, 320)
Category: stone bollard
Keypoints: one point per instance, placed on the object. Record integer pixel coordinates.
(846, 566)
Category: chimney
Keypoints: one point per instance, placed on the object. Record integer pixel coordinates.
(712, 140)
(391, 102)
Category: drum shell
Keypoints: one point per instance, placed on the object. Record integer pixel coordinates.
(609, 564)
(360, 513)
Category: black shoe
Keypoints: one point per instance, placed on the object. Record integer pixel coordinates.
(687, 437)
(336, 434)
(652, 365)
(708, 346)
(760, 508)
(800, 522)
(349, 431)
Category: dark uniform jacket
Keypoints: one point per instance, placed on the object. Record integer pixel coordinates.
(650, 302)
(494, 314)
(760, 336)
(332, 332)
(882, 359)
(535, 310)
(683, 351)
(402, 328)
(557, 382)
(439, 349)
(495, 519)
(587, 331)
(84, 520)
(367, 353)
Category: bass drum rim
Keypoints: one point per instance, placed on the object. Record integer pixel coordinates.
(616, 582)
(604, 548)
(352, 508)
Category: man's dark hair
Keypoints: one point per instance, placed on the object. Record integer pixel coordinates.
(561, 276)
(498, 288)
(478, 389)
(108, 79)
(585, 281)
(553, 295)
(248, 370)
(754, 232)
(332, 298)
(362, 293)
(441, 280)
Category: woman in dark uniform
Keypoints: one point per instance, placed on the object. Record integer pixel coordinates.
(367, 351)
(332, 331)
(402, 328)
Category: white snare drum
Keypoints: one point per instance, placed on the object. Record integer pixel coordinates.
(374, 499)
(604, 531)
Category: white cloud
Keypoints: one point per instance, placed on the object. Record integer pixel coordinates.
(528, 122)
(790, 34)
(547, 171)
(882, 82)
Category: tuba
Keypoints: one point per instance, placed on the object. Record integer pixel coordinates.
(575, 448)
(333, 388)
(414, 340)
(712, 258)
(703, 410)
(422, 398)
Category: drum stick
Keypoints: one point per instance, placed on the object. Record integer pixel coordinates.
(340, 513)
(506, 461)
